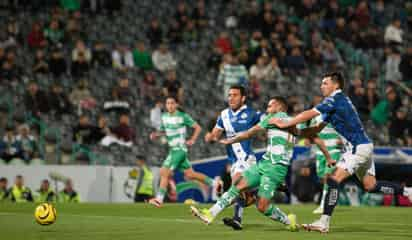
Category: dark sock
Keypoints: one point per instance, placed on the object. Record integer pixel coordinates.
(332, 196)
(387, 187)
(239, 206)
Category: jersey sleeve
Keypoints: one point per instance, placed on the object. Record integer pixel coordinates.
(257, 117)
(326, 106)
(219, 123)
(264, 123)
(188, 120)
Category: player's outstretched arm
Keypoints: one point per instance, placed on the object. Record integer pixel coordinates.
(300, 118)
(321, 144)
(243, 136)
(195, 135)
(214, 135)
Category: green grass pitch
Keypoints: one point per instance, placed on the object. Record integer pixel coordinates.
(174, 221)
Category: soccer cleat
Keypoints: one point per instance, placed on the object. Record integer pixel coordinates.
(202, 214)
(293, 226)
(318, 210)
(155, 202)
(317, 226)
(407, 191)
(235, 224)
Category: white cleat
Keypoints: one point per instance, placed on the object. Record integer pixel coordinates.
(318, 210)
(202, 214)
(317, 226)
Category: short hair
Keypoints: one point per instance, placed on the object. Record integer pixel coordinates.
(19, 176)
(3, 179)
(141, 157)
(240, 88)
(282, 101)
(336, 77)
(171, 97)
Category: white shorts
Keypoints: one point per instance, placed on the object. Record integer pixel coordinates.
(241, 165)
(360, 162)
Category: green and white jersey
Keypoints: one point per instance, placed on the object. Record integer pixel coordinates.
(175, 127)
(328, 135)
(280, 142)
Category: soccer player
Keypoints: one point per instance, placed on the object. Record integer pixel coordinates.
(339, 111)
(237, 118)
(174, 123)
(267, 175)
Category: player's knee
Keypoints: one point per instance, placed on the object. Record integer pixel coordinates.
(332, 182)
(368, 186)
(262, 207)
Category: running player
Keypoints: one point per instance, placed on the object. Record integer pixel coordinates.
(174, 123)
(237, 118)
(339, 111)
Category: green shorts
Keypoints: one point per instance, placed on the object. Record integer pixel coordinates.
(266, 176)
(177, 160)
(322, 166)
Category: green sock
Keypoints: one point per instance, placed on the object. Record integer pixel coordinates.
(276, 214)
(161, 194)
(226, 199)
(208, 181)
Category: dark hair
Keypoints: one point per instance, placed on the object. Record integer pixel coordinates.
(171, 97)
(240, 88)
(19, 176)
(336, 77)
(282, 101)
(140, 157)
(3, 179)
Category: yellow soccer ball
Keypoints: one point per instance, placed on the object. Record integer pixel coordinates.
(45, 214)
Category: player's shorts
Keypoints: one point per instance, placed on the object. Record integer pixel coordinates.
(177, 160)
(360, 162)
(322, 165)
(242, 165)
(266, 177)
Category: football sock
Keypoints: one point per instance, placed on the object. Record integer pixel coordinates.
(239, 206)
(324, 192)
(331, 198)
(226, 199)
(276, 214)
(161, 194)
(386, 187)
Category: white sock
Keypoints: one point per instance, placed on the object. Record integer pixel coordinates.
(216, 209)
(325, 219)
(322, 201)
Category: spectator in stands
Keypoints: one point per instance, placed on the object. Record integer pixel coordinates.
(124, 131)
(27, 143)
(254, 88)
(142, 57)
(215, 58)
(80, 67)
(103, 128)
(405, 66)
(45, 193)
(172, 86)
(4, 191)
(331, 56)
(393, 59)
(100, 55)
(81, 49)
(263, 50)
(174, 35)
(85, 133)
(81, 96)
(182, 14)
(386, 108)
(122, 91)
(36, 100)
(295, 62)
(378, 13)
(40, 63)
(362, 14)
(156, 114)
(53, 33)
(57, 63)
(275, 74)
(224, 43)
(122, 58)
(371, 95)
(358, 98)
(69, 195)
(163, 59)
(398, 126)
(232, 73)
(74, 31)
(200, 16)
(148, 88)
(155, 33)
(190, 34)
(59, 101)
(260, 70)
(10, 73)
(10, 147)
(13, 31)
(394, 33)
(36, 39)
(19, 193)
(250, 20)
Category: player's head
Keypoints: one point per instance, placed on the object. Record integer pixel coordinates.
(3, 183)
(19, 181)
(44, 185)
(140, 160)
(236, 97)
(277, 104)
(171, 104)
(332, 82)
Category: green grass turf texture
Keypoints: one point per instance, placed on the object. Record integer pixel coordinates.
(174, 221)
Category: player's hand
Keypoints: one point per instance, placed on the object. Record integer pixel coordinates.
(331, 162)
(190, 142)
(278, 122)
(153, 136)
(226, 141)
(210, 138)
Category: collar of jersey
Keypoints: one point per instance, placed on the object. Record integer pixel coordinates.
(239, 110)
(335, 92)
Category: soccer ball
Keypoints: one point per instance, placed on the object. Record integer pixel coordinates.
(45, 214)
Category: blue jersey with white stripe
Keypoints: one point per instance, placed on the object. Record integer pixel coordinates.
(338, 110)
(234, 123)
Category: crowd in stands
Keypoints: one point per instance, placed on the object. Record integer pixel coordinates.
(264, 45)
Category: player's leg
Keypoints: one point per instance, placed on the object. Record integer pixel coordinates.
(190, 174)
(321, 168)
(165, 174)
(249, 179)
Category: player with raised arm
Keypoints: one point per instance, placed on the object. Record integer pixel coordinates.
(339, 111)
(174, 124)
(237, 118)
